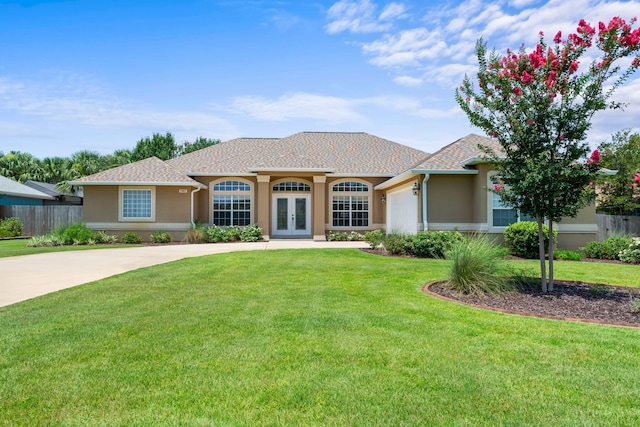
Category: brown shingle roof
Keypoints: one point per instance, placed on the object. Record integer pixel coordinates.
(147, 171)
(453, 155)
(337, 152)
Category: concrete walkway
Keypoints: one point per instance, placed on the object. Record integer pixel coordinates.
(29, 276)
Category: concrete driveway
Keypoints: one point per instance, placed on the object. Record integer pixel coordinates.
(29, 276)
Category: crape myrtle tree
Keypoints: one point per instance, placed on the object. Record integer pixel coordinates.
(538, 105)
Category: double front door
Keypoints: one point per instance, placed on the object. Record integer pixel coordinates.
(291, 215)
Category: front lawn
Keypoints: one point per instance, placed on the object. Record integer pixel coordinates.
(305, 337)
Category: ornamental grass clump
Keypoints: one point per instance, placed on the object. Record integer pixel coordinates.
(476, 267)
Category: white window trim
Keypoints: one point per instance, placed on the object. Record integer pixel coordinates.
(250, 193)
(121, 216)
(367, 194)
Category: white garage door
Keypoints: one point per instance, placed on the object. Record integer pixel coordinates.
(402, 211)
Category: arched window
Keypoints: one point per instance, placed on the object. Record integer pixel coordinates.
(291, 187)
(232, 203)
(350, 201)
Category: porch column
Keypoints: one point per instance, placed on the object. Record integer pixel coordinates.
(319, 207)
(263, 206)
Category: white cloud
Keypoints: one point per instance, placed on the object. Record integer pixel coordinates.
(361, 16)
(297, 106)
(408, 81)
(84, 103)
(392, 11)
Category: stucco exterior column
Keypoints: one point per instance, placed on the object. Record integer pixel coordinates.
(263, 205)
(319, 206)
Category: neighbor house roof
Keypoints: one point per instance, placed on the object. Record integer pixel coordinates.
(14, 188)
(151, 171)
(51, 189)
(341, 153)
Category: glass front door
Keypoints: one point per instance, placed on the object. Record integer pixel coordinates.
(291, 215)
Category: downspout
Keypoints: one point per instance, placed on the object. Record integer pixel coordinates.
(425, 222)
(193, 224)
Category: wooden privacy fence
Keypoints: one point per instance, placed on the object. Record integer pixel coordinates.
(39, 220)
(609, 224)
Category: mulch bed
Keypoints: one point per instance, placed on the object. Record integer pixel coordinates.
(613, 305)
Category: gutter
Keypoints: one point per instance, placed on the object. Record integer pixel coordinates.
(425, 222)
(195, 190)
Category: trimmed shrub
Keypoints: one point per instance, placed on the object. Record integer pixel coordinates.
(433, 244)
(567, 255)
(397, 244)
(631, 254)
(609, 249)
(522, 239)
(343, 236)
(131, 238)
(10, 227)
(102, 238)
(251, 233)
(233, 232)
(42, 241)
(160, 237)
(475, 266)
(76, 234)
(374, 238)
(215, 234)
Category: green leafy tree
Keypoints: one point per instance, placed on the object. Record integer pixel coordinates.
(619, 194)
(198, 144)
(161, 146)
(21, 167)
(539, 107)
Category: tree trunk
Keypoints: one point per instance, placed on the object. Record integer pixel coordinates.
(551, 250)
(543, 266)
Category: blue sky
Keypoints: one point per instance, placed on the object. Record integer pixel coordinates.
(101, 74)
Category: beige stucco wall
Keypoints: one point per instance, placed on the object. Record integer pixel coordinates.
(100, 203)
(451, 199)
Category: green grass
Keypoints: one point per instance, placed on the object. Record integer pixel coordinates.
(19, 247)
(304, 337)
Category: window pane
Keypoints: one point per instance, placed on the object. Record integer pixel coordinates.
(350, 211)
(136, 203)
(232, 210)
(231, 186)
(351, 186)
(292, 187)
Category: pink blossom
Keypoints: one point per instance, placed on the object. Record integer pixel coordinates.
(517, 91)
(637, 178)
(636, 62)
(530, 122)
(573, 67)
(595, 157)
(558, 37)
(526, 77)
(497, 187)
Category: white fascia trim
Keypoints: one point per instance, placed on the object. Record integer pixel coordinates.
(459, 226)
(395, 180)
(142, 183)
(355, 175)
(605, 171)
(165, 226)
(229, 174)
(447, 171)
